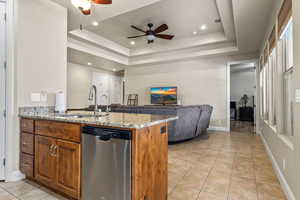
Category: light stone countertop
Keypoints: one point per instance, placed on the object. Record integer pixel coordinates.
(112, 119)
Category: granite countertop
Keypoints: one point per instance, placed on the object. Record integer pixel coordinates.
(113, 119)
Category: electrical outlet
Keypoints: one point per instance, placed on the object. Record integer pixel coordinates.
(36, 97)
(43, 96)
(284, 164)
(297, 96)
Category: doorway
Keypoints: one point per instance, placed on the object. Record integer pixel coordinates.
(2, 87)
(242, 105)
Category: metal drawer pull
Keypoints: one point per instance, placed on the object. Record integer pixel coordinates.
(51, 150)
(55, 151)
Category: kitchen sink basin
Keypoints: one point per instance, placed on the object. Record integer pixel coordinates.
(82, 115)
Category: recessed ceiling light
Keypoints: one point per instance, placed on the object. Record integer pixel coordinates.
(195, 32)
(95, 23)
(114, 69)
(89, 63)
(203, 27)
(132, 42)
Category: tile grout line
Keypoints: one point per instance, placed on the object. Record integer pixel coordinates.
(231, 176)
(15, 197)
(255, 178)
(201, 190)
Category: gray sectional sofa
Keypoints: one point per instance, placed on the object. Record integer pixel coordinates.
(192, 122)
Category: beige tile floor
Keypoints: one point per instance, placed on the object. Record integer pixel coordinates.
(222, 166)
(26, 190)
(217, 166)
(242, 126)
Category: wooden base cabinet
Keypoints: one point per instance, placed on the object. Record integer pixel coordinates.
(51, 155)
(57, 164)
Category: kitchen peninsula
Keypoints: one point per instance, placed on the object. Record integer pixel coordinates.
(56, 152)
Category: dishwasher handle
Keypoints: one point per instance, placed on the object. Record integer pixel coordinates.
(105, 136)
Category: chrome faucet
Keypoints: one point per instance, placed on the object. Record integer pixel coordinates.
(107, 106)
(93, 91)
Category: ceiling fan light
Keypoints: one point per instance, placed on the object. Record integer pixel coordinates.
(82, 4)
(151, 37)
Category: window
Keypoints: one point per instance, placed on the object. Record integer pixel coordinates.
(284, 15)
(261, 89)
(288, 103)
(285, 59)
(265, 84)
(272, 87)
(268, 88)
(264, 92)
(271, 77)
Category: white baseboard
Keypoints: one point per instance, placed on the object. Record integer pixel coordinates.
(218, 128)
(258, 133)
(286, 188)
(15, 176)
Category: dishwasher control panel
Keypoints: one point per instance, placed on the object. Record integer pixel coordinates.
(107, 133)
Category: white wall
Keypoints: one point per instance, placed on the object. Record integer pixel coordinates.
(2, 86)
(41, 49)
(199, 81)
(79, 81)
(81, 78)
(109, 85)
(36, 62)
(242, 82)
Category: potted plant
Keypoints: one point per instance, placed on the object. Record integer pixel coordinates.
(244, 100)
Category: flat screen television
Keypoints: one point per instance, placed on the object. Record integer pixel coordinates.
(164, 95)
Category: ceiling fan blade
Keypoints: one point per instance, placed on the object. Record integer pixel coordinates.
(102, 1)
(136, 36)
(136, 28)
(161, 28)
(85, 12)
(164, 36)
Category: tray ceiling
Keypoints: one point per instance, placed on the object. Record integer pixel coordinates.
(182, 17)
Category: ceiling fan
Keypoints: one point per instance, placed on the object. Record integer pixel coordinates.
(85, 5)
(153, 34)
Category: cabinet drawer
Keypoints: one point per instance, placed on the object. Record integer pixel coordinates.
(26, 164)
(27, 143)
(60, 130)
(27, 125)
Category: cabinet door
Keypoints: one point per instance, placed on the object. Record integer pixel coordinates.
(68, 168)
(45, 160)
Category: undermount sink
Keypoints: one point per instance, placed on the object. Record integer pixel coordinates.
(82, 115)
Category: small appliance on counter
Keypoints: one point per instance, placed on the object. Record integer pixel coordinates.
(60, 103)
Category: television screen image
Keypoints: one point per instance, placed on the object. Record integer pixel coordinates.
(164, 95)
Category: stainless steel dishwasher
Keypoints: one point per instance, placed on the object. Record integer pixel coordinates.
(106, 164)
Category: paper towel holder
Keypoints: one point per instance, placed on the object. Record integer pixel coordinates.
(60, 103)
